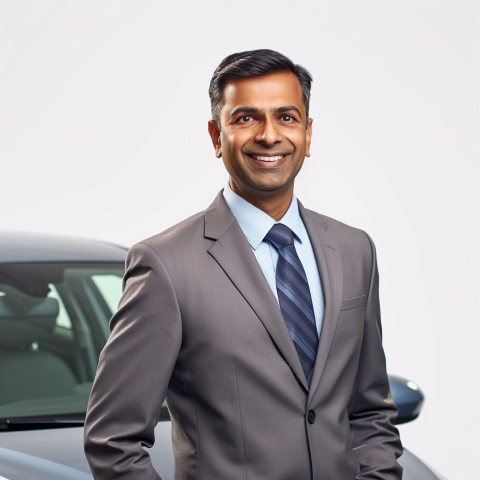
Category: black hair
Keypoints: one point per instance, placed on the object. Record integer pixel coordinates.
(254, 63)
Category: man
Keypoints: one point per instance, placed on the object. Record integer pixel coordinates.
(257, 319)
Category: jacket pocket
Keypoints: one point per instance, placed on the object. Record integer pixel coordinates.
(353, 302)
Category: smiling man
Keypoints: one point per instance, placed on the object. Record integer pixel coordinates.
(263, 134)
(257, 319)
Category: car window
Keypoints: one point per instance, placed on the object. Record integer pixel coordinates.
(110, 286)
(53, 325)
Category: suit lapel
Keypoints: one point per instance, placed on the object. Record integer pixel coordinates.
(331, 273)
(234, 255)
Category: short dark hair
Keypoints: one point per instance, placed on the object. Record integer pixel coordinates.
(254, 63)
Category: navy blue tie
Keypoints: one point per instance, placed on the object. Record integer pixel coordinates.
(294, 297)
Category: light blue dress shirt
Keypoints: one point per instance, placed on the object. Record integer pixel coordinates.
(255, 224)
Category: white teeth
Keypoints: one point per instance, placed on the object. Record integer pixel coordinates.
(267, 159)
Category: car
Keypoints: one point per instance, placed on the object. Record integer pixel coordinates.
(57, 295)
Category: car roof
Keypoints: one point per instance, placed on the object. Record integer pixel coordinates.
(26, 247)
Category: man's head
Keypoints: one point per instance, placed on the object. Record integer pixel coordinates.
(254, 63)
(261, 127)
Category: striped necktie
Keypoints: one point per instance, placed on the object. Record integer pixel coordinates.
(294, 297)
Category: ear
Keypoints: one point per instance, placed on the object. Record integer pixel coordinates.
(214, 132)
(308, 137)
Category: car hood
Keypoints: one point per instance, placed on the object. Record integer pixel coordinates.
(57, 454)
(18, 466)
(63, 446)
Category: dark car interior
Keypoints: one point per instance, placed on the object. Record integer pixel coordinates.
(24, 326)
(53, 325)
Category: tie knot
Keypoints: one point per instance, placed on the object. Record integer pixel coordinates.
(280, 236)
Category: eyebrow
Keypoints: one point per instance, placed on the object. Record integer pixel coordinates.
(288, 108)
(243, 110)
(284, 109)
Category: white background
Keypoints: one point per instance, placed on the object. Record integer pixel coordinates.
(103, 133)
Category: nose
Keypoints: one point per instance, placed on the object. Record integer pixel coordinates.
(268, 133)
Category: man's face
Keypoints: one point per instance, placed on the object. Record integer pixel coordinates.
(264, 136)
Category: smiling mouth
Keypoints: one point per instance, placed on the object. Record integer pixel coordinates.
(267, 158)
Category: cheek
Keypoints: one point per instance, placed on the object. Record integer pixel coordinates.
(301, 145)
(299, 139)
(237, 140)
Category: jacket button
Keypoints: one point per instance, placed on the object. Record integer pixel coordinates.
(311, 416)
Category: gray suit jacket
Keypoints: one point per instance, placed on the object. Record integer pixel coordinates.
(198, 323)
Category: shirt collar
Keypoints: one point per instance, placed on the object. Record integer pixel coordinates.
(255, 223)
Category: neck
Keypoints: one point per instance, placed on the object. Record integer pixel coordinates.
(274, 205)
(276, 210)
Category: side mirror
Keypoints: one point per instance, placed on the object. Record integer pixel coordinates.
(407, 397)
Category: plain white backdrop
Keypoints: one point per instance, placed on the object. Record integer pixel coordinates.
(103, 133)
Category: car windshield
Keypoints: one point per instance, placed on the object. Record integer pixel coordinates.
(53, 325)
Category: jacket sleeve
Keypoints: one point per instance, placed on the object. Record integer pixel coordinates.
(133, 372)
(371, 409)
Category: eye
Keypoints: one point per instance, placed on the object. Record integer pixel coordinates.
(245, 119)
(288, 118)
